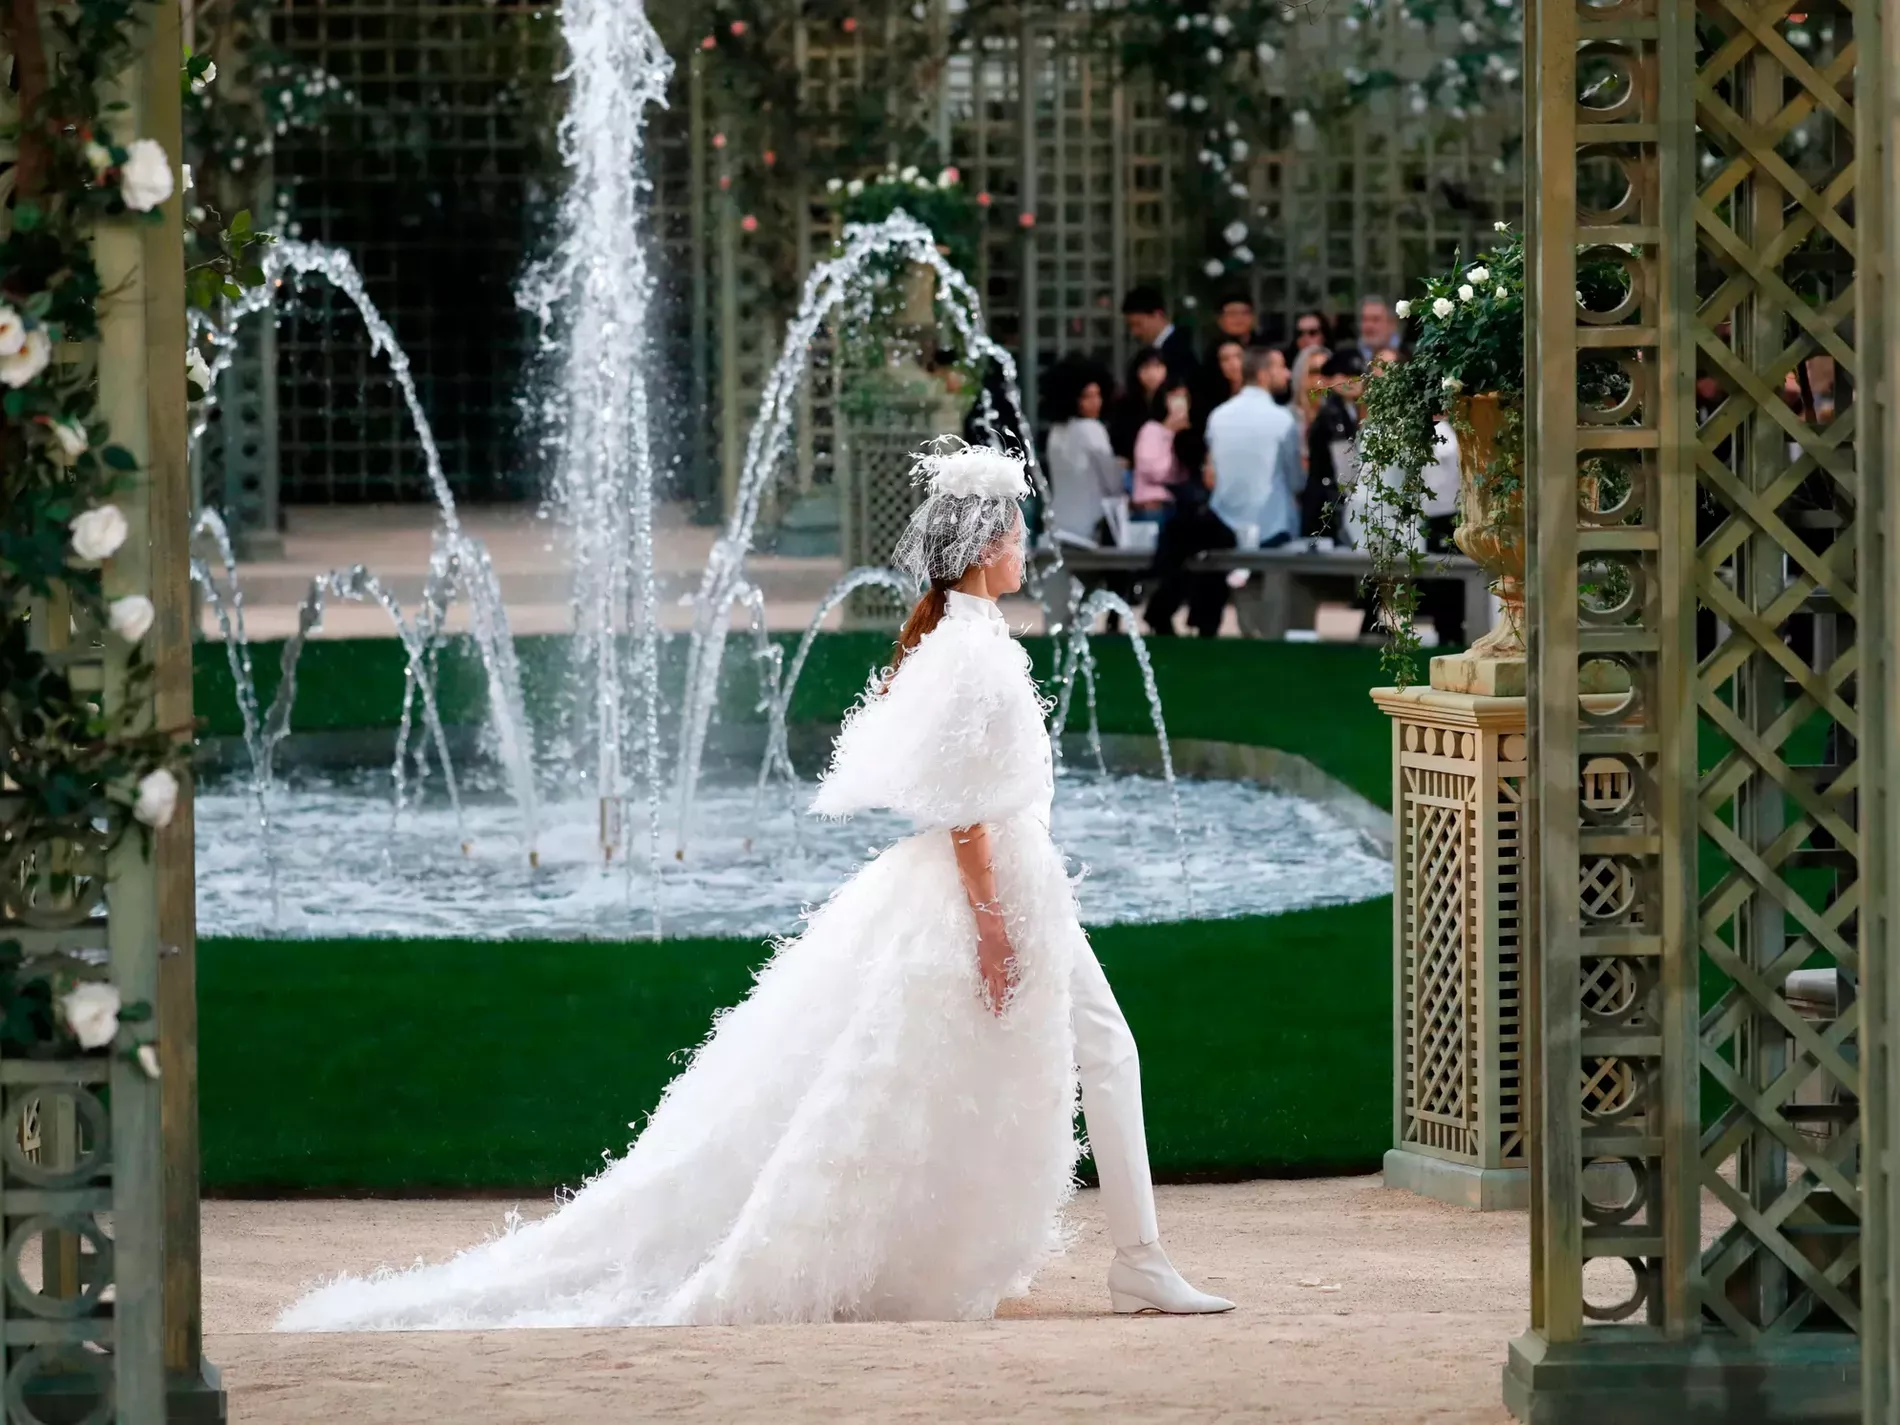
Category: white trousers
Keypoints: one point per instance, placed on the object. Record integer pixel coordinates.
(1111, 1105)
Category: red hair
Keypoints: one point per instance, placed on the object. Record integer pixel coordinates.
(925, 615)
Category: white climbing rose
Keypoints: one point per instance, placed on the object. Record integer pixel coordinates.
(12, 330)
(98, 157)
(131, 617)
(1235, 233)
(1453, 384)
(832, 185)
(854, 187)
(908, 174)
(98, 533)
(1243, 254)
(145, 178)
(1402, 308)
(24, 364)
(1503, 291)
(1177, 101)
(70, 436)
(1466, 293)
(1265, 52)
(1480, 273)
(148, 1060)
(157, 799)
(1214, 267)
(1441, 307)
(91, 1011)
(1500, 226)
(197, 370)
(199, 84)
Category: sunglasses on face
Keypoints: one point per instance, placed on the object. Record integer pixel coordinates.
(1308, 331)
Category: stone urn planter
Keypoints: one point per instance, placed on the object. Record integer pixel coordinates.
(1491, 533)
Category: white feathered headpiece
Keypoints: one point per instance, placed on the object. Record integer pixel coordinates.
(972, 503)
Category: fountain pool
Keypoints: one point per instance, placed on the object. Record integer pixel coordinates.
(344, 869)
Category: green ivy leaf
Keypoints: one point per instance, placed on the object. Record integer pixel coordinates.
(119, 458)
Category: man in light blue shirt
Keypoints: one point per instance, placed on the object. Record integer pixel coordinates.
(1253, 445)
(1254, 478)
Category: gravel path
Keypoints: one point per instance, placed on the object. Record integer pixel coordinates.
(1356, 1305)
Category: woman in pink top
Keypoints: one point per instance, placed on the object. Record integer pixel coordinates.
(1156, 472)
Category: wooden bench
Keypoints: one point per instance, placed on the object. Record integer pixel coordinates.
(1290, 582)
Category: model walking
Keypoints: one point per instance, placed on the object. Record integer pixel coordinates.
(883, 1128)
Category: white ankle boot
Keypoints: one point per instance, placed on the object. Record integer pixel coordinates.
(1143, 1279)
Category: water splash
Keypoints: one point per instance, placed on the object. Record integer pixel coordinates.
(828, 288)
(1081, 656)
(459, 564)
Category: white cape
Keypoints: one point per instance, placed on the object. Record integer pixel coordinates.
(860, 1138)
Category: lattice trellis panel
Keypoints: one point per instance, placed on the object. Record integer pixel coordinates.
(882, 497)
(1694, 539)
(1459, 766)
(437, 178)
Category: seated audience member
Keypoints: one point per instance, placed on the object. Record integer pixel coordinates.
(1329, 436)
(1083, 471)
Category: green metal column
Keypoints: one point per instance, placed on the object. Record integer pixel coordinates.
(1697, 845)
(1878, 148)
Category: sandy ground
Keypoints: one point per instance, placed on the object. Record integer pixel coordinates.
(1356, 1305)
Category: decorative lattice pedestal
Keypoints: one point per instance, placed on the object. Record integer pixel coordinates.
(1458, 767)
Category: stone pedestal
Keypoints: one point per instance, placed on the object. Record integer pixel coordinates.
(1458, 764)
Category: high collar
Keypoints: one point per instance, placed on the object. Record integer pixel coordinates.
(961, 605)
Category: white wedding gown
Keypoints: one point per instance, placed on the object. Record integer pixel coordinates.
(860, 1138)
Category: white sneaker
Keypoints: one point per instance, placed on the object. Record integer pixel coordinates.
(1143, 1279)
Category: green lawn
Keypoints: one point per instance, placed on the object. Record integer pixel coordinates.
(388, 1065)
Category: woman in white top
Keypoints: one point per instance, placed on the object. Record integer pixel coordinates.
(1083, 470)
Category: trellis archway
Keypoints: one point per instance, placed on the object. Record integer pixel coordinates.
(1736, 159)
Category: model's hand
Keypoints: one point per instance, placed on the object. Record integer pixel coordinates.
(995, 963)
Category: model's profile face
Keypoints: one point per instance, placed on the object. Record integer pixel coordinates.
(1003, 569)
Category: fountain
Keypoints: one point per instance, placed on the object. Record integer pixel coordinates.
(591, 299)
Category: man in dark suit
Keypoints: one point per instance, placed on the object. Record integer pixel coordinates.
(1148, 323)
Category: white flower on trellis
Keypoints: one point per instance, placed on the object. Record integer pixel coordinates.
(145, 178)
(98, 532)
(1301, 118)
(91, 1011)
(131, 617)
(199, 84)
(1480, 273)
(1469, 30)
(12, 330)
(184, 169)
(1442, 307)
(21, 366)
(1508, 74)
(1200, 21)
(1177, 101)
(1503, 291)
(1452, 384)
(834, 185)
(1354, 74)
(1243, 254)
(1183, 23)
(908, 174)
(922, 185)
(854, 187)
(1223, 26)
(1420, 104)
(1230, 128)
(157, 798)
(1214, 55)
(148, 1060)
(98, 157)
(1466, 292)
(1238, 190)
(1500, 226)
(197, 370)
(949, 178)
(1198, 103)
(1213, 267)
(1238, 149)
(70, 437)
(1265, 52)
(1402, 309)
(1205, 157)
(1235, 233)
